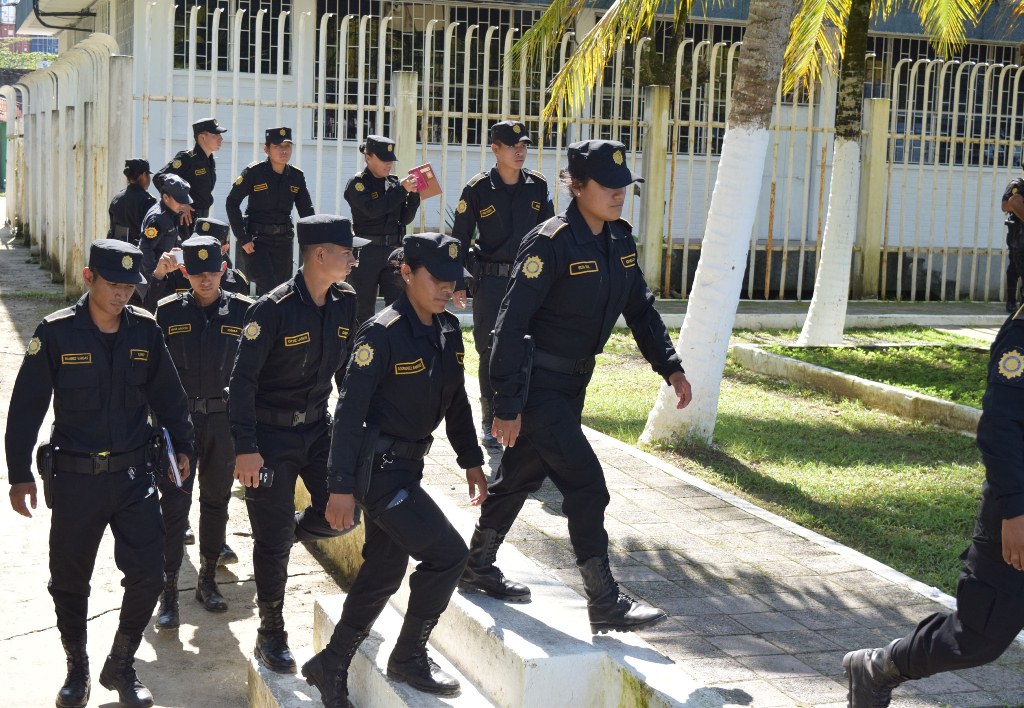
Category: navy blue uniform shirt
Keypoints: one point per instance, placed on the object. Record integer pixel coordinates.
(380, 207)
(271, 197)
(196, 168)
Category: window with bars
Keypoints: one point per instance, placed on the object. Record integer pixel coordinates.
(251, 29)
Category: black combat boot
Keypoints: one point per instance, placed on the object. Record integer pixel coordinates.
(227, 556)
(167, 616)
(486, 421)
(872, 675)
(190, 536)
(610, 608)
(482, 575)
(119, 673)
(328, 670)
(207, 591)
(75, 691)
(272, 641)
(410, 664)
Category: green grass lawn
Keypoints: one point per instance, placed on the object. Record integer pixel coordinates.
(902, 492)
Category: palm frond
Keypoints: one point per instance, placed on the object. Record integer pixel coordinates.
(558, 19)
(816, 38)
(946, 21)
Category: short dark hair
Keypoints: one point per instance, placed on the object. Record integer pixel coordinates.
(566, 178)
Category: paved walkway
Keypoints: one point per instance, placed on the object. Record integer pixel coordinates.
(761, 610)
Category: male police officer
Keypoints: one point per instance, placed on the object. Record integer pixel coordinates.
(162, 229)
(202, 327)
(169, 277)
(129, 206)
(272, 187)
(198, 168)
(294, 342)
(990, 594)
(382, 206)
(1013, 204)
(503, 205)
(106, 366)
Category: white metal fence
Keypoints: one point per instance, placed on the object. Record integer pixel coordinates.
(954, 135)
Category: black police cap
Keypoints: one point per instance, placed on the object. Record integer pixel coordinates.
(327, 228)
(202, 255)
(175, 187)
(207, 125)
(603, 161)
(381, 147)
(510, 132)
(212, 227)
(276, 136)
(116, 261)
(440, 254)
(135, 167)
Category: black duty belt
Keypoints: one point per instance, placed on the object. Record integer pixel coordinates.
(289, 419)
(403, 448)
(562, 364)
(270, 229)
(207, 405)
(501, 270)
(121, 232)
(383, 239)
(100, 462)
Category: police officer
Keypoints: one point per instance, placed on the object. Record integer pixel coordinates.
(130, 205)
(574, 275)
(1013, 205)
(169, 276)
(990, 593)
(162, 229)
(294, 342)
(502, 205)
(198, 167)
(382, 206)
(202, 327)
(272, 187)
(404, 377)
(106, 366)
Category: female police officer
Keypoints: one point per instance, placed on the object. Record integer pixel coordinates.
(404, 376)
(574, 275)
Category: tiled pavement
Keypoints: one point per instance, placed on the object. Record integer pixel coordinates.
(759, 608)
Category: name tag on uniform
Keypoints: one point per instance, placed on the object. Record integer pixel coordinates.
(582, 267)
(200, 172)
(628, 261)
(343, 332)
(295, 190)
(535, 206)
(484, 213)
(85, 358)
(374, 195)
(179, 329)
(297, 340)
(460, 357)
(230, 331)
(410, 367)
(260, 187)
(138, 354)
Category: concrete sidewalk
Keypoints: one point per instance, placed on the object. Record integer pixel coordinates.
(761, 609)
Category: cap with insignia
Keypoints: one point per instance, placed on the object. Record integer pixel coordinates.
(510, 132)
(201, 255)
(116, 261)
(276, 136)
(212, 227)
(440, 254)
(175, 187)
(603, 161)
(207, 125)
(380, 147)
(135, 167)
(327, 228)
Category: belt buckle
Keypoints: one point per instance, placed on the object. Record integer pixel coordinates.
(100, 463)
(298, 418)
(200, 405)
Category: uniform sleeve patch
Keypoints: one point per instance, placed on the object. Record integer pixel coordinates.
(251, 331)
(84, 358)
(535, 206)
(582, 267)
(484, 213)
(297, 339)
(533, 266)
(295, 190)
(403, 368)
(343, 332)
(461, 206)
(176, 164)
(238, 180)
(262, 187)
(230, 331)
(363, 355)
(151, 232)
(138, 354)
(1011, 364)
(628, 261)
(360, 187)
(34, 346)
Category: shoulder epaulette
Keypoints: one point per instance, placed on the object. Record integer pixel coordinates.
(536, 175)
(280, 293)
(253, 164)
(169, 299)
(388, 317)
(296, 169)
(552, 226)
(244, 298)
(626, 223)
(476, 178)
(190, 153)
(141, 313)
(345, 288)
(59, 315)
(240, 275)
(452, 318)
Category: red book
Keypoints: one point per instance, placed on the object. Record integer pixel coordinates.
(428, 184)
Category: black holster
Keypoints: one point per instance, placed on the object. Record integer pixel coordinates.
(44, 465)
(364, 461)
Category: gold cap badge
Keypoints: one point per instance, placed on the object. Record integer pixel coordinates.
(203, 254)
(127, 263)
(617, 157)
(453, 251)
(284, 132)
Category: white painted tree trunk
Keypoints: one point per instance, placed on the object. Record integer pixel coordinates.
(711, 312)
(827, 314)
